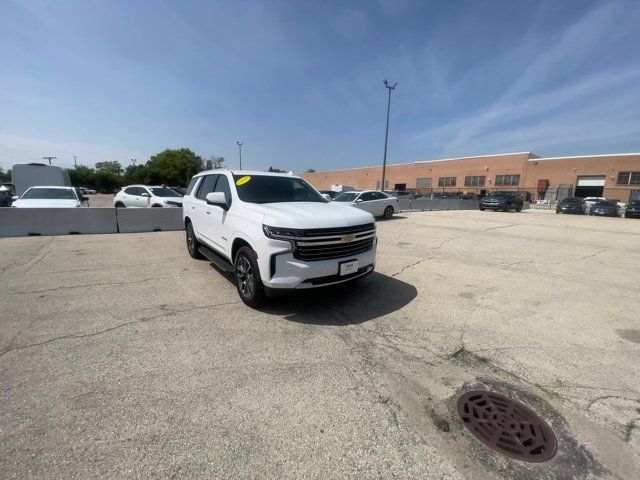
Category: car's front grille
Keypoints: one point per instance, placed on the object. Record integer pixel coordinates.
(332, 243)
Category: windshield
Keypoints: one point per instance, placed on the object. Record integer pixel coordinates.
(572, 200)
(346, 197)
(500, 194)
(49, 194)
(272, 189)
(606, 203)
(164, 192)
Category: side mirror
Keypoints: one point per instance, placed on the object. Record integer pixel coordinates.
(359, 200)
(145, 194)
(15, 197)
(326, 196)
(217, 199)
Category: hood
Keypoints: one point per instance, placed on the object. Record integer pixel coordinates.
(310, 214)
(45, 203)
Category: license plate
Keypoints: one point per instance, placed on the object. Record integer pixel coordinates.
(347, 268)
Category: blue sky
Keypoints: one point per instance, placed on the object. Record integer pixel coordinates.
(300, 82)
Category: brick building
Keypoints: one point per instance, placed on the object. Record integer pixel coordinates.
(615, 176)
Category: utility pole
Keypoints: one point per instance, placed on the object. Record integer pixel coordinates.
(49, 158)
(386, 134)
(75, 161)
(133, 162)
(240, 151)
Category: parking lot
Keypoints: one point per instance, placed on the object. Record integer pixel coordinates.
(121, 357)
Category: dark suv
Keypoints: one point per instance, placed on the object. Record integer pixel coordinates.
(574, 205)
(633, 209)
(502, 200)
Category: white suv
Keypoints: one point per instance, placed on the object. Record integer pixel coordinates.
(275, 232)
(142, 196)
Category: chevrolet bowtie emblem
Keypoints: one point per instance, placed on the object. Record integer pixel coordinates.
(348, 238)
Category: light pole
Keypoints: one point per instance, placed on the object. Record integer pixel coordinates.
(75, 161)
(240, 152)
(49, 158)
(386, 134)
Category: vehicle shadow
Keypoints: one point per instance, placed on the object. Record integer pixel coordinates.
(395, 217)
(345, 304)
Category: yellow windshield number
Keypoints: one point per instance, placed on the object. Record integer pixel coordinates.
(243, 180)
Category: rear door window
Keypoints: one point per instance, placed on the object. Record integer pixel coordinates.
(192, 184)
(207, 186)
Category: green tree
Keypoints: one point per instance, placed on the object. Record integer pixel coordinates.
(173, 167)
(82, 176)
(214, 162)
(106, 182)
(5, 176)
(276, 170)
(111, 167)
(311, 170)
(135, 174)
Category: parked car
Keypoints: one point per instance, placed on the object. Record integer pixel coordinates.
(401, 195)
(575, 205)
(143, 196)
(275, 233)
(379, 204)
(590, 201)
(50, 197)
(331, 193)
(604, 208)
(5, 198)
(502, 200)
(179, 190)
(633, 209)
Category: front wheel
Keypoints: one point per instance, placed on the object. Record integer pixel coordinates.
(120, 205)
(192, 242)
(388, 212)
(248, 281)
(482, 209)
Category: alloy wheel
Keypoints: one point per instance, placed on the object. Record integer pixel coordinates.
(244, 274)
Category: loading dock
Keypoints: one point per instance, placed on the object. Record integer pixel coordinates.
(590, 186)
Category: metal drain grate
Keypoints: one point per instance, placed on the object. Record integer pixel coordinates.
(507, 426)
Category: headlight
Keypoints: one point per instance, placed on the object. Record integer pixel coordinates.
(281, 233)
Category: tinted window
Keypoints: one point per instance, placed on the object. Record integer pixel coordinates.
(206, 186)
(382, 196)
(367, 196)
(346, 197)
(50, 194)
(164, 192)
(131, 190)
(192, 184)
(223, 186)
(275, 189)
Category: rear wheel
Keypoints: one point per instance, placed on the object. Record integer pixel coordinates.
(518, 209)
(388, 212)
(120, 205)
(157, 206)
(247, 274)
(192, 242)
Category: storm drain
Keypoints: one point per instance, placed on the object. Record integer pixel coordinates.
(507, 426)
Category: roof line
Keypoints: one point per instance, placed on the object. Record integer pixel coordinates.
(587, 156)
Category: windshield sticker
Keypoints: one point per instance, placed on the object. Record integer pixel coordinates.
(243, 180)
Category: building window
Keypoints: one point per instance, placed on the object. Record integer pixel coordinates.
(507, 180)
(424, 183)
(628, 178)
(474, 181)
(447, 182)
(386, 185)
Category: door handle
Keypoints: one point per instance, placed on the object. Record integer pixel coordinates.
(208, 212)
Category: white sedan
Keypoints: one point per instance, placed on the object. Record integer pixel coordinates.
(373, 201)
(50, 197)
(142, 196)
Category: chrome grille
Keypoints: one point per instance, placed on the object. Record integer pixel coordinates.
(332, 243)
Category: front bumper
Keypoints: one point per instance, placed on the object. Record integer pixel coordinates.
(605, 213)
(288, 273)
(493, 206)
(569, 210)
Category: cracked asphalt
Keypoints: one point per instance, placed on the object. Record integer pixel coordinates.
(121, 357)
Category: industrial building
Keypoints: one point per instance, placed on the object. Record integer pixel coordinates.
(615, 176)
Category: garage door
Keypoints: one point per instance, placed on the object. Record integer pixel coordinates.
(591, 181)
(590, 186)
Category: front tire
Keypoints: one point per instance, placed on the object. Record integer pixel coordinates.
(388, 212)
(120, 205)
(482, 209)
(247, 275)
(192, 243)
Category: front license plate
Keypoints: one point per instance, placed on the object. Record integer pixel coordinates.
(347, 268)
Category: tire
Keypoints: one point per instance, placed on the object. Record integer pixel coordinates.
(518, 209)
(507, 208)
(388, 212)
(120, 205)
(247, 277)
(482, 209)
(192, 242)
(156, 206)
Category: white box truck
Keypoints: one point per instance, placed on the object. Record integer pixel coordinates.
(29, 175)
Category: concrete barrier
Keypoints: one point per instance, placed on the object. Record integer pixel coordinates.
(422, 204)
(148, 219)
(22, 222)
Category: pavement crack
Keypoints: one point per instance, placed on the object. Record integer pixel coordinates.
(73, 336)
(629, 427)
(393, 275)
(84, 285)
(501, 226)
(607, 397)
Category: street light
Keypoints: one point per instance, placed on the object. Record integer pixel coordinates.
(386, 134)
(240, 152)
